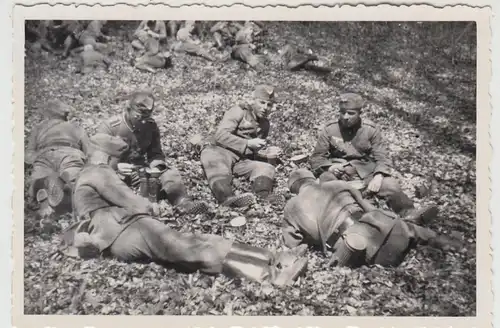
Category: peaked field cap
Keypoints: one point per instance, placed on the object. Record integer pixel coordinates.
(264, 92)
(351, 101)
(111, 145)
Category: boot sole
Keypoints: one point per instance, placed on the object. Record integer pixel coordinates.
(239, 201)
(291, 274)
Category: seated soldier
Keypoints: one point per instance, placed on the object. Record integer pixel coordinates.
(240, 135)
(92, 60)
(93, 34)
(188, 44)
(116, 222)
(351, 148)
(136, 126)
(57, 150)
(334, 216)
(149, 32)
(244, 47)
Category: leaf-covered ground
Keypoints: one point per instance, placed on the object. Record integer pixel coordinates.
(419, 80)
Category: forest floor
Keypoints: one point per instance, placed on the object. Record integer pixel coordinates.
(423, 100)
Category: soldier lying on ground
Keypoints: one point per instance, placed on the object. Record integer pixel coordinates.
(57, 150)
(295, 59)
(136, 126)
(118, 223)
(351, 148)
(244, 48)
(240, 135)
(93, 34)
(39, 34)
(92, 60)
(334, 216)
(188, 44)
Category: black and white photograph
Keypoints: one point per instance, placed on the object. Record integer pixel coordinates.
(250, 168)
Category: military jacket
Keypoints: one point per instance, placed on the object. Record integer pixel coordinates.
(361, 146)
(54, 133)
(144, 141)
(102, 197)
(313, 216)
(238, 125)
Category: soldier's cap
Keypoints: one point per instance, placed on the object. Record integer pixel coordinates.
(264, 92)
(56, 108)
(142, 101)
(351, 101)
(110, 145)
(297, 178)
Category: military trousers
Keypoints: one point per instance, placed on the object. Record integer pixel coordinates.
(148, 239)
(219, 163)
(244, 53)
(390, 189)
(66, 162)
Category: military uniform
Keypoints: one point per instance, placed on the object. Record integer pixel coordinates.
(144, 41)
(324, 214)
(144, 147)
(57, 150)
(186, 43)
(118, 223)
(230, 154)
(360, 148)
(93, 60)
(243, 49)
(92, 33)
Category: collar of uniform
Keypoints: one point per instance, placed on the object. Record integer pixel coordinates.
(127, 123)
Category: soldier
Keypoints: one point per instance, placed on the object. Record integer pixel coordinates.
(295, 59)
(118, 223)
(57, 150)
(140, 131)
(244, 47)
(149, 35)
(351, 148)
(93, 34)
(334, 216)
(92, 60)
(240, 135)
(188, 44)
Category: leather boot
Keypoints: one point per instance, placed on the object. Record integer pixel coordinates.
(223, 192)
(259, 264)
(177, 196)
(421, 216)
(446, 243)
(263, 186)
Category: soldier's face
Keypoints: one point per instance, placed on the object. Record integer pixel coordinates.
(262, 108)
(349, 117)
(141, 111)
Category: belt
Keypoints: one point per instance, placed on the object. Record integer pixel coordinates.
(62, 144)
(343, 226)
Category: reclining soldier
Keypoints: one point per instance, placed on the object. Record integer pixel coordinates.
(244, 46)
(57, 150)
(115, 222)
(333, 216)
(240, 135)
(351, 148)
(91, 60)
(187, 43)
(136, 126)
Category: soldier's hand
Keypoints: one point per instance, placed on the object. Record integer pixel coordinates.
(256, 143)
(374, 185)
(337, 169)
(125, 168)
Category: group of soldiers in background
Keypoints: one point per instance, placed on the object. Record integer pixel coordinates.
(156, 41)
(112, 181)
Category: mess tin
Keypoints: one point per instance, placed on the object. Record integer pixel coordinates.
(270, 154)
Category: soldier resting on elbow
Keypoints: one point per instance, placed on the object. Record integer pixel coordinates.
(115, 222)
(136, 126)
(93, 60)
(333, 216)
(188, 44)
(240, 135)
(351, 148)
